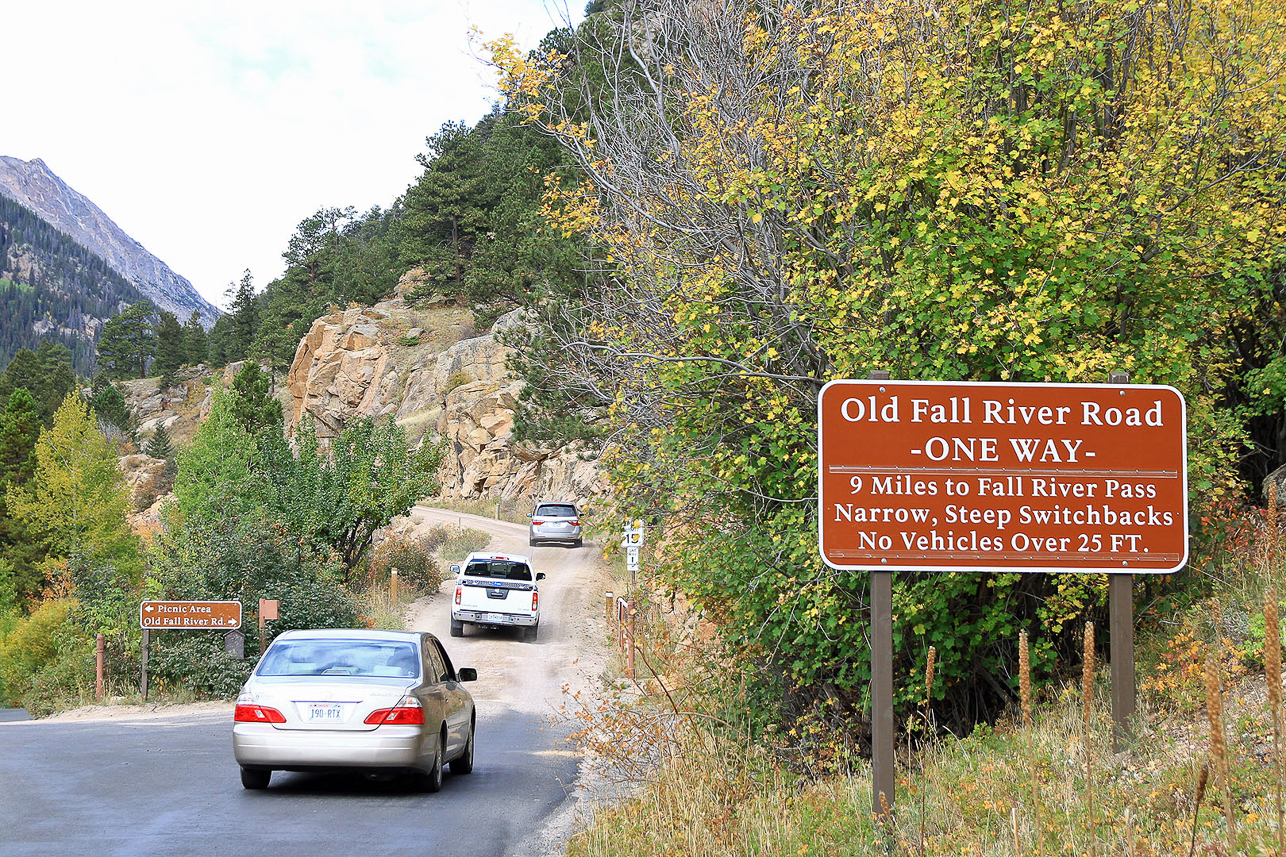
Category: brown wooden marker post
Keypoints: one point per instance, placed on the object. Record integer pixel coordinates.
(98, 672)
(882, 760)
(1120, 608)
(629, 656)
(143, 679)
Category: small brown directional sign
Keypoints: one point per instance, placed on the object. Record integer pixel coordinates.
(190, 615)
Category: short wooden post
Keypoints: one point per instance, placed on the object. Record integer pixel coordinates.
(1120, 607)
(629, 656)
(392, 585)
(611, 603)
(143, 664)
(98, 672)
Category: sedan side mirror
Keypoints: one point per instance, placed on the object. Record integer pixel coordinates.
(466, 674)
(540, 575)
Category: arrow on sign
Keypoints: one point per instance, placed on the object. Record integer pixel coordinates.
(147, 609)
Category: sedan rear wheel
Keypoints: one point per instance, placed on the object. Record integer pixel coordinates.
(255, 778)
(463, 764)
(432, 779)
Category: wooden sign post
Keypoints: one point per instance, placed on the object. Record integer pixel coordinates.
(980, 477)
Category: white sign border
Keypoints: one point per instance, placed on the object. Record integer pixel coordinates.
(1007, 569)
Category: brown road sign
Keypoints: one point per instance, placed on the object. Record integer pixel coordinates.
(939, 476)
(189, 615)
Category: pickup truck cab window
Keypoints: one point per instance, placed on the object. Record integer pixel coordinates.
(499, 569)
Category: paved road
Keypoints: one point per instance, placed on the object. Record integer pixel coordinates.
(167, 785)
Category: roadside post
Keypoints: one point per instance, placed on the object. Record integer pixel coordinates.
(611, 602)
(632, 542)
(98, 672)
(997, 478)
(1120, 625)
(392, 585)
(143, 664)
(267, 610)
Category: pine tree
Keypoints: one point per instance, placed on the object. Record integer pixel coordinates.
(45, 373)
(127, 343)
(196, 344)
(169, 348)
(159, 446)
(245, 318)
(108, 403)
(254, 406)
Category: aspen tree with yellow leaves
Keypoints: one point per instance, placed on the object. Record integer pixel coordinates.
(780, 195)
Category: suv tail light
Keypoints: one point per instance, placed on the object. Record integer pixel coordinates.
(535, 601)
(459, 591)
(250, 713)
(408, 712)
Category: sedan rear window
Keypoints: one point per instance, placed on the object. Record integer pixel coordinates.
(555, 511)
(371, 658)
(499, 569)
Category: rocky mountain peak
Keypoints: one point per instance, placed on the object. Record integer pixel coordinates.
(34, 185)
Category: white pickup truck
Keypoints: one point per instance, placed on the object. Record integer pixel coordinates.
(496, 591)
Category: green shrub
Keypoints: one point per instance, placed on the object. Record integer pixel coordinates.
(32, 644)
(411, 556)
(63, 682)
(458, 379)
(196, 661)
(311, 604)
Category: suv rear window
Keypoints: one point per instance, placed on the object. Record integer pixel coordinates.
(553, 510)
(499, 569)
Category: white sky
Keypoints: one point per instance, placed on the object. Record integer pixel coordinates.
(207, 131)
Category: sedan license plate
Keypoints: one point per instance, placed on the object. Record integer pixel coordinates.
(325, 712)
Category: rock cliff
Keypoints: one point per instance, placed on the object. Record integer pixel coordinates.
(429, 370)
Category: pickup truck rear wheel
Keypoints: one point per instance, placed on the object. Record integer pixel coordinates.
(457, 628)
(529, 634)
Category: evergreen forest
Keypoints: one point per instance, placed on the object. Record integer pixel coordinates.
(53, 289)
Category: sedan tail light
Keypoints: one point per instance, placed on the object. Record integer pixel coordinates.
(250, 713)
(408, 712)
(537, 521)
(576, 523)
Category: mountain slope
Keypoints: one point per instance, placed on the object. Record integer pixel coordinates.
(53, 288)
(35, 186)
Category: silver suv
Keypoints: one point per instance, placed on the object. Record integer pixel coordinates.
(554, 522)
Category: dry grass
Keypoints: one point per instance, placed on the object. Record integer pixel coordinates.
(1044, 783)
